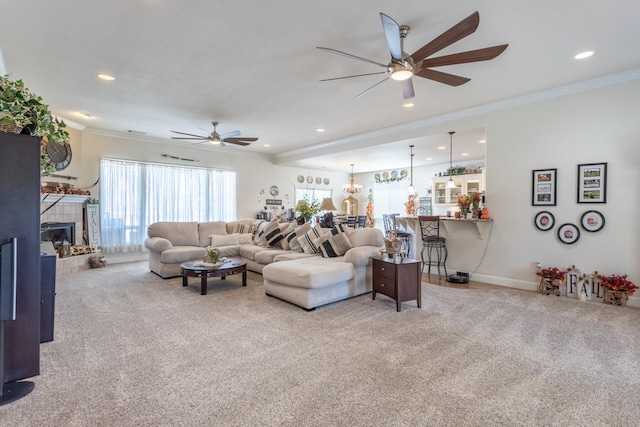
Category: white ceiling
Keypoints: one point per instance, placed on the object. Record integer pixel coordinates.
(252, 65)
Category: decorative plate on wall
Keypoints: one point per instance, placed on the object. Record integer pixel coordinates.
(568, 233)
(300, 179)
(544, 220)
(326, 181)
(592, 221)
(310, 179)
(318, 180)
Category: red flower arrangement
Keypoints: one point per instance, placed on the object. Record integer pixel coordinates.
(552, 273)
(618, 283)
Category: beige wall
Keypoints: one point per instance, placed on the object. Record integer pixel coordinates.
(599, 125)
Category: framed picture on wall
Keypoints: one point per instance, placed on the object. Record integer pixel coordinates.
(544, 220)
(544, 187)
(592, 183)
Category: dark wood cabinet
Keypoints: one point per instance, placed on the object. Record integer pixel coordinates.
(20, 218)
(397, 278)
(47, 296)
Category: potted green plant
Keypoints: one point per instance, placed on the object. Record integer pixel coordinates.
(23, 111)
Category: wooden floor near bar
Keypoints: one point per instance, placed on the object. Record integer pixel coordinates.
(433, 278)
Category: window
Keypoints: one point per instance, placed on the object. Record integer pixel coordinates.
(311, 194)
(137, 194)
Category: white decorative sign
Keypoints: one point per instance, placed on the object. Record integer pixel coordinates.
(93, 224)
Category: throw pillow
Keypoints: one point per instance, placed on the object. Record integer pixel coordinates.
(334, 245)
(241, 228)
(307, 240)
(271, 234)
(290, 228)
(245, 239)
(224, 239)
(260, 226)
(292, 237)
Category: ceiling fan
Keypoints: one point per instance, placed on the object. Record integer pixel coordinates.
(403, 66)
(217, 138)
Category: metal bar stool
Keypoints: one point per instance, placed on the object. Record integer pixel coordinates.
(431, 240)
(389, 221)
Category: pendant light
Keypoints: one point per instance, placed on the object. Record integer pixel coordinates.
(450, 183)
(352, 187)
(412, 189)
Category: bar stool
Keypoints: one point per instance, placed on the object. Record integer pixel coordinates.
(431, 239)
(389, 221)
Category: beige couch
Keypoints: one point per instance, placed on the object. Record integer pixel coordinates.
(305, 279)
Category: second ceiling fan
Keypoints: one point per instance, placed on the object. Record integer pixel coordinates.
(403, 67)
(217, 138)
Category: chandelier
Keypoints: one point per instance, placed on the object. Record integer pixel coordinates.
(352, 187)
(450, 183)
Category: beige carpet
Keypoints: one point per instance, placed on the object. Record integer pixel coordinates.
(132, 349)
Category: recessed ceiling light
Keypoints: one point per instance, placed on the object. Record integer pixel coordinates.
(584, 55)
(482, 141)
(442, 148)
(320, 130)
(267, 145)
(409, 105)
(86, 114)
(105, 76)
(464, 154)
(428, 158)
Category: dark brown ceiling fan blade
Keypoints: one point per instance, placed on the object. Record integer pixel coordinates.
(459, 31)
(407, 89)
(348, 55)
(439, 76)
(367, 90)
(355, 75)
(189, 134)
(241, 139)
(477, 55)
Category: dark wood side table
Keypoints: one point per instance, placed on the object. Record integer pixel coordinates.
(397, 278)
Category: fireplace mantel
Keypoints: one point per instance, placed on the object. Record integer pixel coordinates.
(66, 198)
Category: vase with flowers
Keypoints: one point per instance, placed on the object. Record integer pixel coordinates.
(550, 280)
(464, 203)
(306, 209)
(617, 289)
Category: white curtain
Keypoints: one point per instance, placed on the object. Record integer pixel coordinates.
(136, 194)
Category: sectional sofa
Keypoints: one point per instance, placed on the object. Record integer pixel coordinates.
(305, 265)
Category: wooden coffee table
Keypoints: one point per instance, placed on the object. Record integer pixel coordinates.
(197, 269)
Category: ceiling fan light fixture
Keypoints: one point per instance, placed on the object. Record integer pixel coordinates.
(402, 72)
(215, 141)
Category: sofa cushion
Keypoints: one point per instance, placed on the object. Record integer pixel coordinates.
(303, 274)
(179, 254)
(178, 233)
(307, 240)
(334, 245)
(260, 226)
(292, 237)
(224, 239)
(206, 229)
(366, 237)
(271, 234)
(266, 256)
(250, 251)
